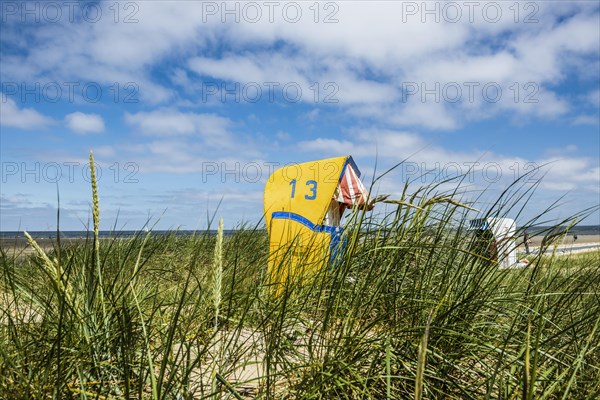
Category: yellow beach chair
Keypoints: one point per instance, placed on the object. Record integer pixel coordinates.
(303, 205)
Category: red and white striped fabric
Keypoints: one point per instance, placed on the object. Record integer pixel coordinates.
(352, 191)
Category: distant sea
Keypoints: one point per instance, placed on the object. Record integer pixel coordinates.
(104, 234)
(578, 230)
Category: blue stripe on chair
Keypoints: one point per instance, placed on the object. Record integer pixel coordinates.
(304, 221)
(336, 245)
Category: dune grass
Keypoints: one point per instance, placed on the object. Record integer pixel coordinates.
(409, 311)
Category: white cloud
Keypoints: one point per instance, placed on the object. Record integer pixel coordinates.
(283, 135)
(185, 156)
(312, 115)
(107, 51)
(558, 186)
(594, 98)
(586, 120)
(104, 151)
(325, 82)
(328, 147)
(369, 53)
(390, 147)
(554, 152)
(82, 123)
(23, 118)
(572, 169)
(183, 142)
(523, 62)
(214, 129)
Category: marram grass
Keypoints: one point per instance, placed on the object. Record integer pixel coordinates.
(410, 311)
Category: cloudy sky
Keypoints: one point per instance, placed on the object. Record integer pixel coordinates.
(187, 103)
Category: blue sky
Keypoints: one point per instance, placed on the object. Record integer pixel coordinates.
(185, 103)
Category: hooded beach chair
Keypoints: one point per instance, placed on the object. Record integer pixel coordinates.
(303, 206)
(495, 239)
